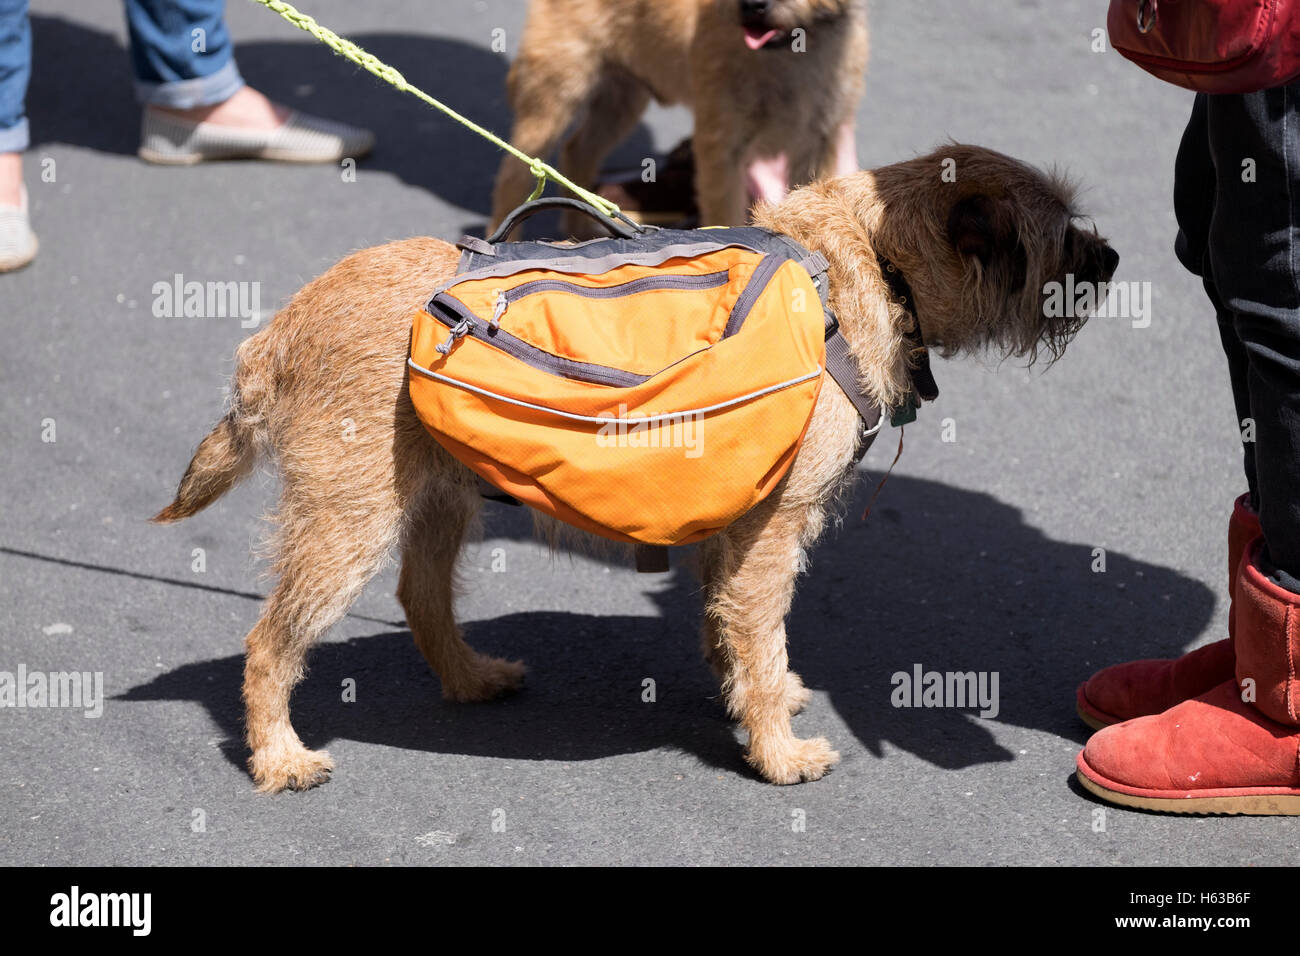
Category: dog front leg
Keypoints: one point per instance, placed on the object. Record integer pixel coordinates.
(831, 155)
(613, 113)
(713, 644)
(547, 90)
(767, 178)
(720, 189)
(750, 570)
(843, 153)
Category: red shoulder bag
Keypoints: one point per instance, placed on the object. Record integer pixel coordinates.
(1211, 46)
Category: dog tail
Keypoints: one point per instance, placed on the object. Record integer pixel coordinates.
(229, 451)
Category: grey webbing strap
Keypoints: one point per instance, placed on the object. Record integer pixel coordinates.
(651, 558)
(490, 491)
(843, 368)
(475, 244)
(815, 263)
(840, 363)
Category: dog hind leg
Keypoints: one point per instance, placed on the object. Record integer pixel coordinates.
(327, 553)
(426, 588)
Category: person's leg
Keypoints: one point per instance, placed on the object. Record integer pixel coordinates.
(1238, 370)
(1150, 686)
(197, 105)
(1195, 188)
(1256, 266)
(1233, 749)
(17, 242)
(181, 53)
(15, 69)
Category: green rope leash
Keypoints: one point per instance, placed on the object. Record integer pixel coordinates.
(371, 64)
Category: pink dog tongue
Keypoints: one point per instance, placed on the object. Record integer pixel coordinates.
(756, 40)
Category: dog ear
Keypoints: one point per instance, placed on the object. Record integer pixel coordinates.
(972, 227)
(981, 227)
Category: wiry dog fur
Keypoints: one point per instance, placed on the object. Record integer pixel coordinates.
(977, 253)
(594, 66)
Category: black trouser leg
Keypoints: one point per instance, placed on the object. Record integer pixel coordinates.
(1253, 254)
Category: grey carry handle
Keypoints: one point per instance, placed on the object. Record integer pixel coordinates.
(564, 202)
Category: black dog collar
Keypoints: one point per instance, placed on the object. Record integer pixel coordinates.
(923, 383)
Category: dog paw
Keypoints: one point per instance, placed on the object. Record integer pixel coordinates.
(795, 761)
(796, 694)
(487, 678)
(297, 769)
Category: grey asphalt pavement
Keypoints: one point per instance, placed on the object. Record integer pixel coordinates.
(978, 556)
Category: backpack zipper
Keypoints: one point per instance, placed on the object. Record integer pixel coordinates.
(461, 323)
(451, 312)
(711, 280)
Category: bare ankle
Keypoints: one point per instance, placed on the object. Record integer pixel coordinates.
(246, 109)
(11, 179)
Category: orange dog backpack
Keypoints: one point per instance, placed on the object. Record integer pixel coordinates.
(650, 387)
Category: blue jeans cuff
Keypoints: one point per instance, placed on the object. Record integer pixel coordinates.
(187, 94)
(15, 139)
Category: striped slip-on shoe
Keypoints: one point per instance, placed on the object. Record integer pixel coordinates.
(18, 243)
(172, 141)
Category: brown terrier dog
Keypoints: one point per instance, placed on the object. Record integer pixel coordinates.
(773, 83)
(977, 252)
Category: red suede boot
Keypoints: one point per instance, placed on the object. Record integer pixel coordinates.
(1138, 688)
(1216, 753)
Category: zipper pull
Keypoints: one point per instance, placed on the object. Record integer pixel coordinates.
(458, 330)
(500, 310)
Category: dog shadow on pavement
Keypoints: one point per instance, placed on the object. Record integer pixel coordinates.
(420, 146)
(945, 578)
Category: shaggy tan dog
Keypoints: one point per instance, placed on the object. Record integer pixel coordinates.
(977, 252)
(773, 84)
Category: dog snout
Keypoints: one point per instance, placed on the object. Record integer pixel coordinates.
(754, 11)
(1096, 261)
(1101, 262)
(1109, 261)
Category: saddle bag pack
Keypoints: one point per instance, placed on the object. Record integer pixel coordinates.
(650, 387)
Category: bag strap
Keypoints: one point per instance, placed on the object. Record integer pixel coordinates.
(492, 493)
(528, 209)
(841, 365)
(651, 558)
